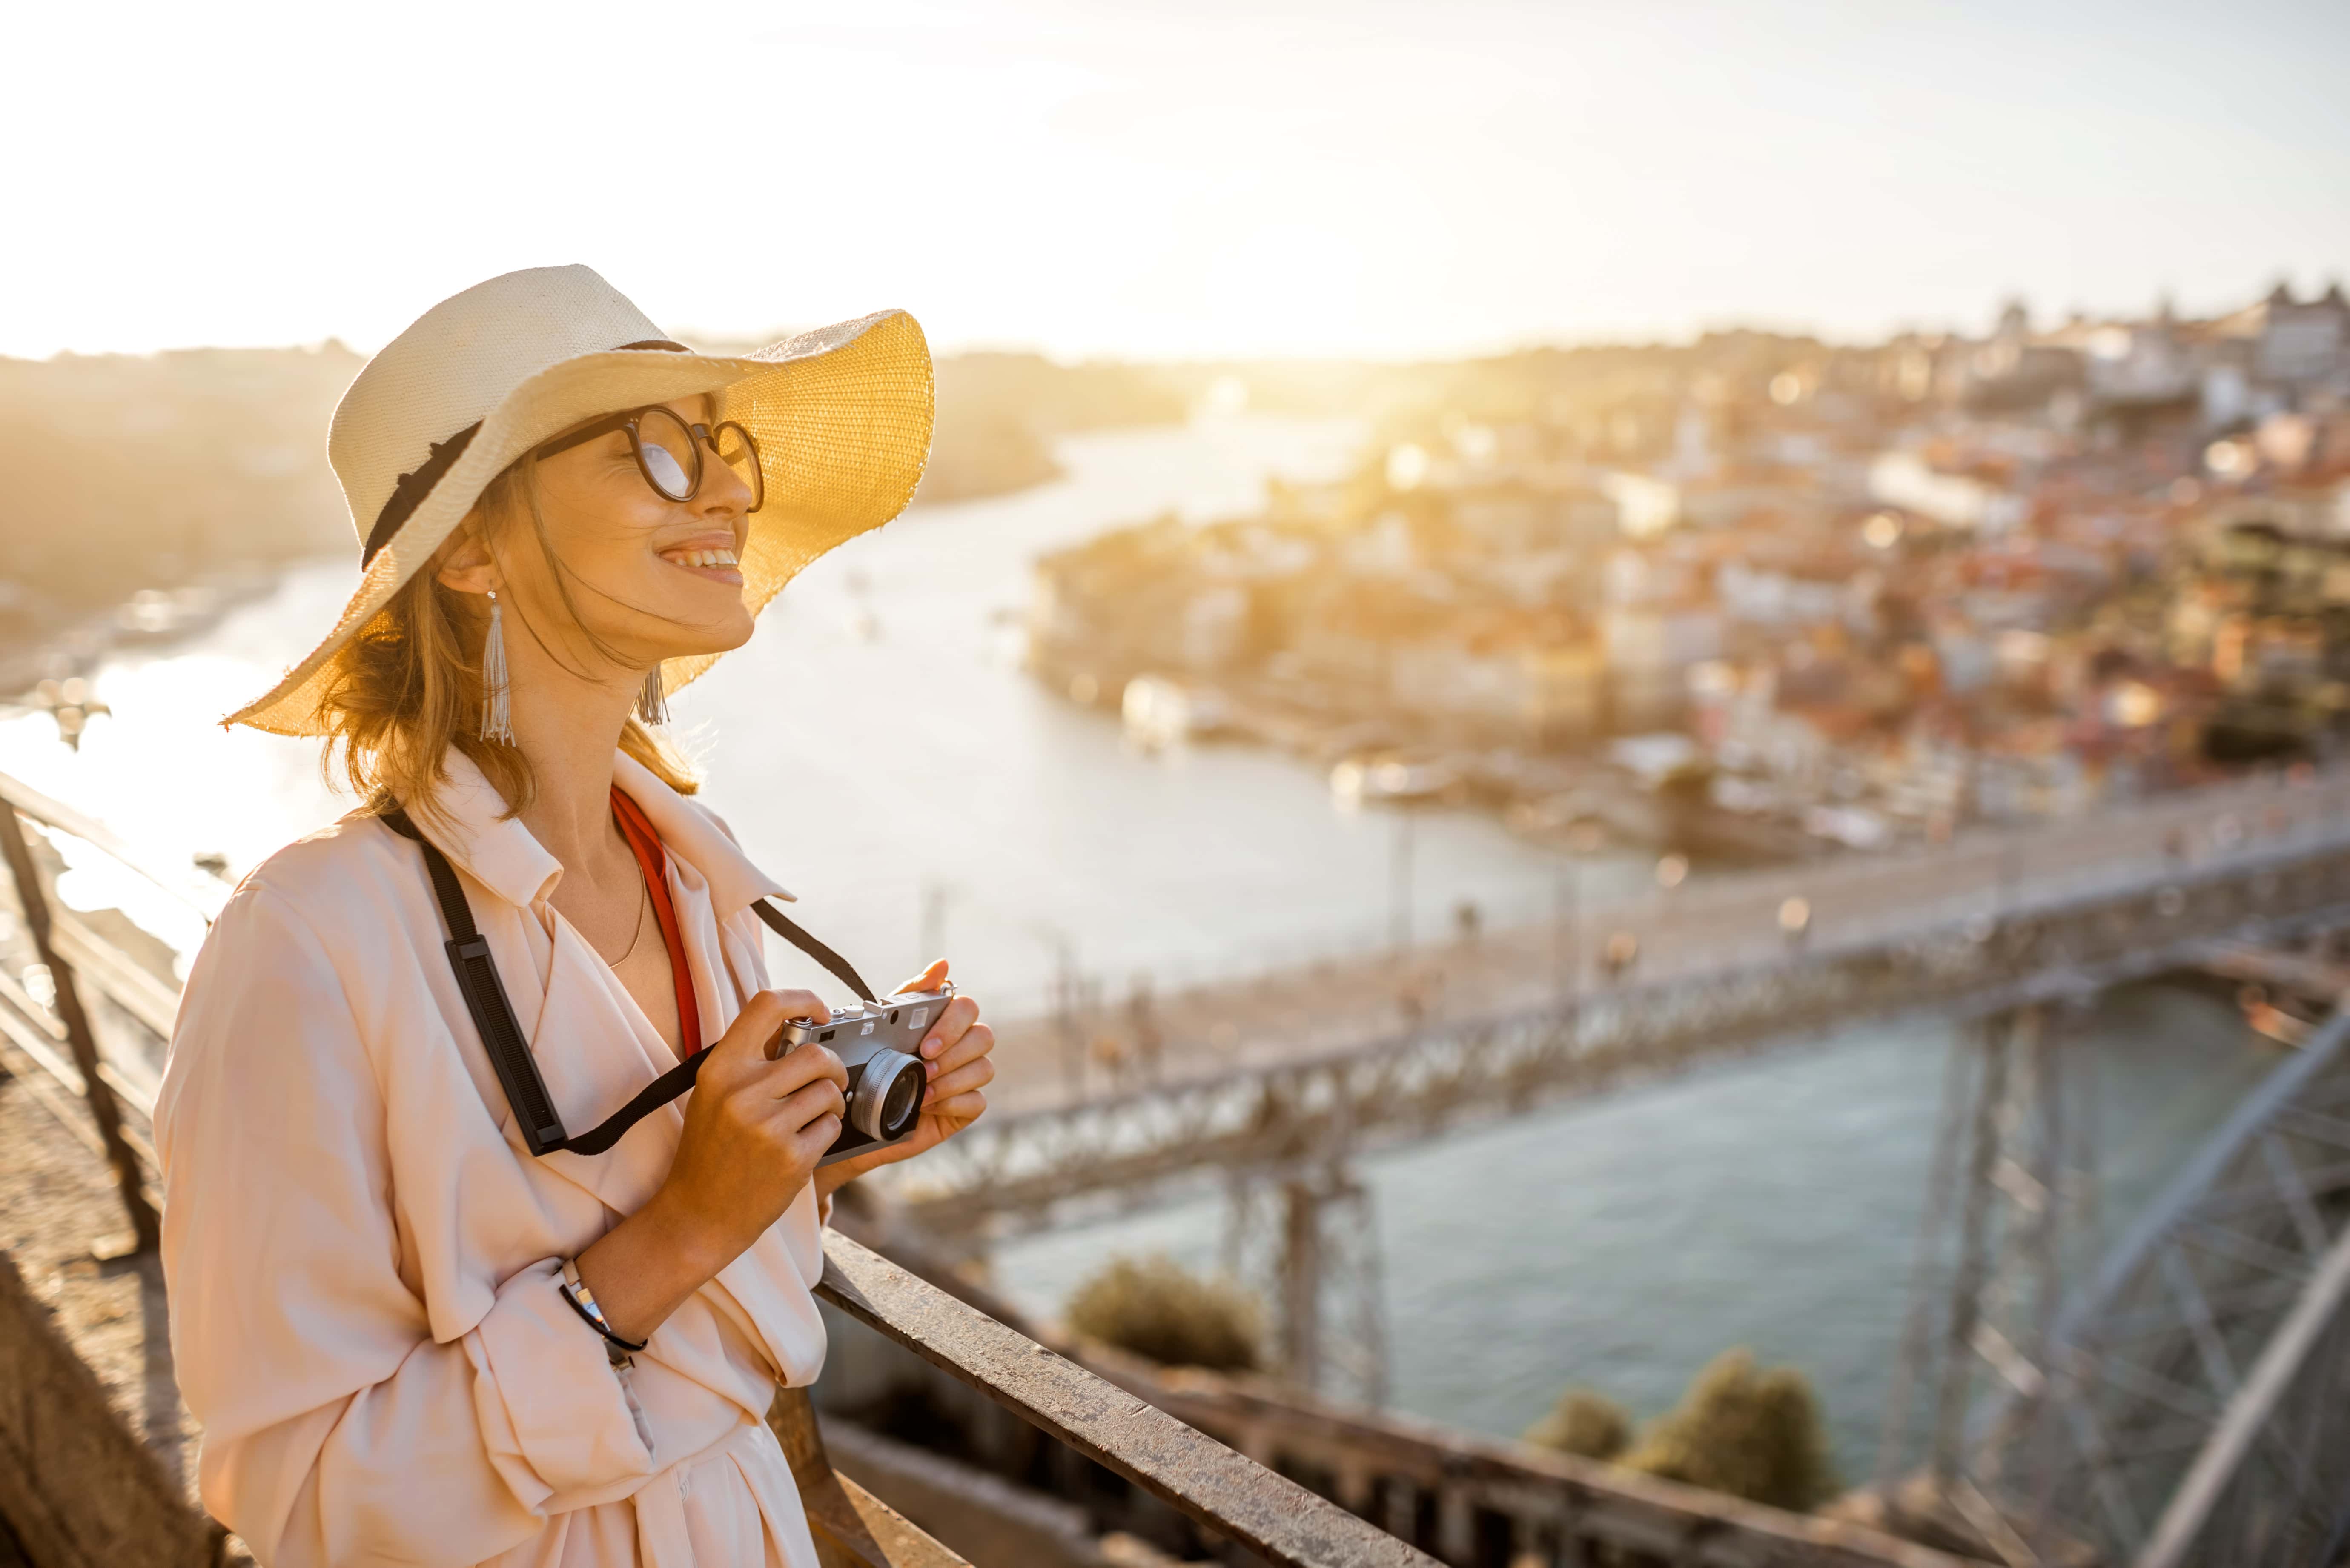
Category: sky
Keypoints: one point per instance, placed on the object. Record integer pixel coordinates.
(1189, 180)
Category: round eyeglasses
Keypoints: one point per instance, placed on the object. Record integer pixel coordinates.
(669, 450)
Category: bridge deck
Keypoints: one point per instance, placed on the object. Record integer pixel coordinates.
(1049, 1062)
(1117, 1097)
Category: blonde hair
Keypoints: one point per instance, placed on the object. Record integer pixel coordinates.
(408, 688)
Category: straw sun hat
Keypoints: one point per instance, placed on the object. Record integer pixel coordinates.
(842, 416)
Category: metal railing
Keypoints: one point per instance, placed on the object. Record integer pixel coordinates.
(102, 1085)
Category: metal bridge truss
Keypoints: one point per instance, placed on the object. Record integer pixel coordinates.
(2007, 1220)
(1021, 1172)
(1309, 1243)
(2192, 1406)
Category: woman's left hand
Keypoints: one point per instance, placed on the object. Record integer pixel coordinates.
(955, 1053)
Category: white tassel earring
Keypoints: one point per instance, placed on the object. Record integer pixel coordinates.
(497, 713)
(651, 706)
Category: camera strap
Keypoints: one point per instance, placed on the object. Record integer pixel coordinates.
(485, 998)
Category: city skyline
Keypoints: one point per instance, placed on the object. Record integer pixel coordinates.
(1388, 181)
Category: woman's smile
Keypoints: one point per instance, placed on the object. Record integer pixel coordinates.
(711, 556)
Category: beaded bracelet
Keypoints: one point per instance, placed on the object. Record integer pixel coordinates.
(581, 1300)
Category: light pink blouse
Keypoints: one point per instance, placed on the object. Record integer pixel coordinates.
(363, 1256)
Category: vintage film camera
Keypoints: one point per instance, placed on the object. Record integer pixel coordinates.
(880, 1044)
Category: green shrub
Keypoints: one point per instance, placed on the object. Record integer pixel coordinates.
(1750, 1433)
(1584, 1423)
(1157, 1308)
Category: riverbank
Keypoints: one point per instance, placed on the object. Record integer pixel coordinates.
(1373, 755)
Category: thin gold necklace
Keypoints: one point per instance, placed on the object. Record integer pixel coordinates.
(636, 932)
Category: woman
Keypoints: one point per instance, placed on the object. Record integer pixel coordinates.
(409, 1339)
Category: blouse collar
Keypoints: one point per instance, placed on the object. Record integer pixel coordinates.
(501, 854)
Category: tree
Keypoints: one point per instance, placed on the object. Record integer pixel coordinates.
(1157, 1309)
(1753, 1433)
(1583, 1422)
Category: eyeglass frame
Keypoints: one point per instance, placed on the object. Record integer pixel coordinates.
(697, 437)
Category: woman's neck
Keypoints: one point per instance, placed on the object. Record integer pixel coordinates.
(570, 728)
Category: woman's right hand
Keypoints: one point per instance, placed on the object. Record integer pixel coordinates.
(753, 1132)
(753, 1129)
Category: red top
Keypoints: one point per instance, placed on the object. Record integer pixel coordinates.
(639, 832)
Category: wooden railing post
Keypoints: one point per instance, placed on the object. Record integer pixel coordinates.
(146, 1229)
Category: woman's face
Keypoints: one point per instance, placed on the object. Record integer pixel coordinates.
(649, 577)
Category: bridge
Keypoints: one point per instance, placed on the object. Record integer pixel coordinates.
(2179, 1404)
(1270, 1086)
(1125, 1108)
(1117, 1106)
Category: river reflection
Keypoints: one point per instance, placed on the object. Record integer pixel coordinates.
(877, 748)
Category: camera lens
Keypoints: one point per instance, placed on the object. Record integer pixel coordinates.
(888, 1096)
(903, 1104)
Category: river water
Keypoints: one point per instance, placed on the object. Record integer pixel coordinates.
(878, 748)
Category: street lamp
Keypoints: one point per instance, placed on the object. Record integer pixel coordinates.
(1399, 879)
(1582, 839)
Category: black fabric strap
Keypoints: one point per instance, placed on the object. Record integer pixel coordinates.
(486, 998)
(842, 970)
(648, 1100)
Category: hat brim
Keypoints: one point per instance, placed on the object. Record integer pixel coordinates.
(842, 416)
